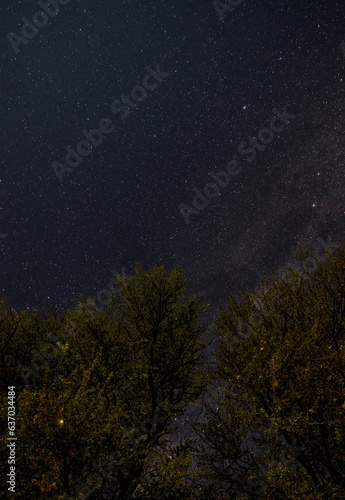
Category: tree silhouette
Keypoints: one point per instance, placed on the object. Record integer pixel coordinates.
(106, 397)
(278, 428)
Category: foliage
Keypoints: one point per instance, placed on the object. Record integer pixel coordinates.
(278, 430)
(99, 394)
(109, 391)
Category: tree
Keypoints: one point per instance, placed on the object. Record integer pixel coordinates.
(108, 397)
(278, 429)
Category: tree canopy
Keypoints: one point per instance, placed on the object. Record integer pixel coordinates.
(109, 392)
(100, 393)
(278, 429)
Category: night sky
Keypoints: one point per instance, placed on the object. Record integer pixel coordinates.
(268, 73)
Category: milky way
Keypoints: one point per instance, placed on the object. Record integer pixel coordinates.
(227, 72)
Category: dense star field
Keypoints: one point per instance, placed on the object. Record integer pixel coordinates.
(216, 75)
(207, 134)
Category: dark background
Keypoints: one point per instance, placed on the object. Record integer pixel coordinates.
(120, 205)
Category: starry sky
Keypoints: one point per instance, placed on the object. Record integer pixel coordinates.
(218, 77)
